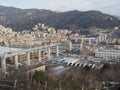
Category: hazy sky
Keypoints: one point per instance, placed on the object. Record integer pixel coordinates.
(106, 6)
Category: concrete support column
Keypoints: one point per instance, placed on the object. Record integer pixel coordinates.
(39, 55)
(81, 45)
(28, 58)
(70, 45)
(57, 50)
(96, 40)
(82, 40)
(16, 61)
(44, 53)
(44, 38)
(4, 63)
(49, 53)
(90, 40)
(100, 38)
(105, 37)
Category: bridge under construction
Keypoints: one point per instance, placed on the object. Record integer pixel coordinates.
(26, 55)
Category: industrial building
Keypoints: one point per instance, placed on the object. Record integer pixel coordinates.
(108, 54)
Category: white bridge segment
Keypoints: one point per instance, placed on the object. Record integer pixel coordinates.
(12, 51)
(86, 38)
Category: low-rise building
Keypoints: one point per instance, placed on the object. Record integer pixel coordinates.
(108, 54)
(39, 67)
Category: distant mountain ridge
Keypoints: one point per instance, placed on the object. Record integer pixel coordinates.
(117, 16)
(20, 19)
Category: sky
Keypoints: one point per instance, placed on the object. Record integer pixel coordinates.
(106, 6)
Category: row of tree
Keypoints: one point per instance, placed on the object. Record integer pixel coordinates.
(74, 79)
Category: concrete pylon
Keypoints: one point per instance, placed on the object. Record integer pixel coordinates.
(105, 37)
(43, 54)
(28, 58)
(4, 63)
(49, 53)
(16, 61)
(82, 40)
(81, 45)
(70, 45)
(39, 55)
(90, 40)
(57, 50)
(100, 38)
(44, 37)
(96, 40)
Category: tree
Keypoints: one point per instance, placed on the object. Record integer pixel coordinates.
(106, 66)
(38, 77)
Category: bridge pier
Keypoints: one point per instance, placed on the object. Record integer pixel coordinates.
(39, 55)
(16, 61)
(100, 38)
(28, 58)
(70, 45)
(90, 40)
(49, 53)
(81, 44)
(4, 63)
(57, 50)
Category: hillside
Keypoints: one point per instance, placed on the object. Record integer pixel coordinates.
(20, 19)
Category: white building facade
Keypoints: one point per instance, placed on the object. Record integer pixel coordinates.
(108, 54)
